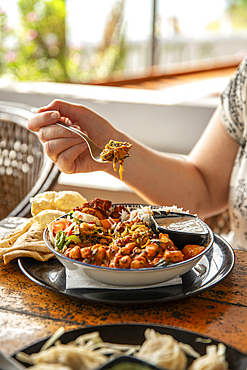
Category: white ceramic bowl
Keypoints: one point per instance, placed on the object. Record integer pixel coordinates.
(131, 277)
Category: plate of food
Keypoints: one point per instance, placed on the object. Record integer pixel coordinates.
(126, 244)
(150, 345)
(24, 241)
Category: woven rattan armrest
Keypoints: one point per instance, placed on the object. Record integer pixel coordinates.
(25, 170)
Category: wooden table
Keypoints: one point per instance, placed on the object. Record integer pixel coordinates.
(30, 313)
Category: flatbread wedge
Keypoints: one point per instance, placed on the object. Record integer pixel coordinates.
(30, 244)
(8, 240)
(39, 256)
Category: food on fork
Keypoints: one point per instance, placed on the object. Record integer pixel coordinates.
(116, 152)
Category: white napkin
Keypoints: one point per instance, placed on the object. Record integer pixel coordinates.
(73, 281)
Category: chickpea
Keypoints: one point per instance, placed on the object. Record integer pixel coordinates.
(139, 262)
(173, 256)
(152, 250)
(125, 262)
(99, 254)
(86, 252)
(136, 264)
(127, 249)
(114, 262)
(168, 243)
(75, 253)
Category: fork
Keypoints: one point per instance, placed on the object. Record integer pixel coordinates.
(94, 149)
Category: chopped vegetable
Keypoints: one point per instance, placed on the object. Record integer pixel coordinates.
(74, 238)
(60, 240)
(60, 224)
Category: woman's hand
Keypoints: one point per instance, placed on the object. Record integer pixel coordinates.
(66, 149)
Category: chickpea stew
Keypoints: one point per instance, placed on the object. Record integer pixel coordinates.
(102, 234)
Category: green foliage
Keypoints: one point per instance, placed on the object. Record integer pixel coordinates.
(40, 52)
(237, 15)
(6, 55)
(237, 11)
(42, 45)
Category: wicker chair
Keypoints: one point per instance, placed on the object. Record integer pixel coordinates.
(220, 223)
(25, 170)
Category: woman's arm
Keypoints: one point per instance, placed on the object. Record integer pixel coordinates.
(199, 182)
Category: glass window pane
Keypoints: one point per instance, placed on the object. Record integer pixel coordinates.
(189, 31)
(95, 40)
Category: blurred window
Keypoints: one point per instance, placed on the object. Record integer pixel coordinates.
(86, 41)
(194, 31)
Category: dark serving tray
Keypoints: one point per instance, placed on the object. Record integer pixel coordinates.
(214, 266)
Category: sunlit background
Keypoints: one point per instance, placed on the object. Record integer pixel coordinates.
(87, 41)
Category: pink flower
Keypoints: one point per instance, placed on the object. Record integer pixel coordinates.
(32, 17)
(31, 35)
(10, 56)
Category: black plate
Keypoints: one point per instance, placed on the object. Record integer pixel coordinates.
(133, 334)
(214, 266)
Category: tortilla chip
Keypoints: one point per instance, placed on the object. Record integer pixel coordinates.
(39, 256)
(9, 240)
(63, 201)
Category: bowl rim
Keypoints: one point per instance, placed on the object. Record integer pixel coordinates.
(132, 271)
